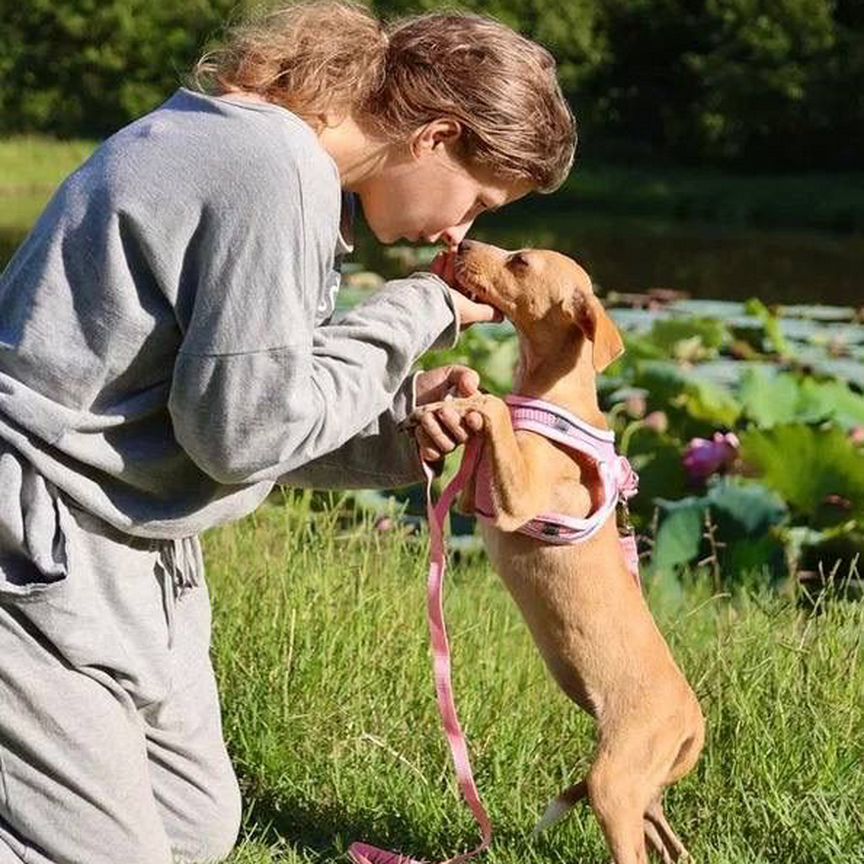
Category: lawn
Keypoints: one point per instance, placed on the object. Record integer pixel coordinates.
(31, 168)
(321, 650)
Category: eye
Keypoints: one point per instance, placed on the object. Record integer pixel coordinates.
(480, 206)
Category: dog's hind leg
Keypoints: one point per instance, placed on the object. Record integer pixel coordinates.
(655, 815)
(656, 842)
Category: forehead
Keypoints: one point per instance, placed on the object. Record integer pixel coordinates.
(554, 262)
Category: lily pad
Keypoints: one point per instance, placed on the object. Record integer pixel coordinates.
(720, 309)
(818, 312)
(634, 320)
(679, 537)
(769, 398)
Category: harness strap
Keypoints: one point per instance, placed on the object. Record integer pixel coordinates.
(618, 480)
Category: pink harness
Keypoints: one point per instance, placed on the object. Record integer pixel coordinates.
(618, 480)
(619, 484)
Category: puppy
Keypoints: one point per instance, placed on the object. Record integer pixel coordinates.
(583, 606)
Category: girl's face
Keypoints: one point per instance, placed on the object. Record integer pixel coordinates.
(423, 193)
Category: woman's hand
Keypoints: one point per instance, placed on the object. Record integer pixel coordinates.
(468, 311)
(442, 432)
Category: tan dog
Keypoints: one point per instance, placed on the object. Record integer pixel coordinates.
(582, 605)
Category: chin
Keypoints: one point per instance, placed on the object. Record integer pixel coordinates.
(389, 237)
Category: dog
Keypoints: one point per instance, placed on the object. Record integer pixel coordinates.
(581, 602)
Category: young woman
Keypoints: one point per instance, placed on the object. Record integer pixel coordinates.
(167, 355)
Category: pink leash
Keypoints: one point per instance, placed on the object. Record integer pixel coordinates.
(363, 853)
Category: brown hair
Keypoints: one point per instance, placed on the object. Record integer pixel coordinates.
(334, 54)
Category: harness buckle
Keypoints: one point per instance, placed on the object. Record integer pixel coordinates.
(622, 519)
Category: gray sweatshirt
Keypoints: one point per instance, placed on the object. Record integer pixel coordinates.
(167, 351)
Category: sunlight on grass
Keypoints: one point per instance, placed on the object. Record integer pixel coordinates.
(321, 650)
(31, 168)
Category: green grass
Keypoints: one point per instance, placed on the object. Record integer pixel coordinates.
(321, 650)
(32, 161)
(31, 168)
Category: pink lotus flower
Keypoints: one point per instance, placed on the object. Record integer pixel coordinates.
(658, 421)
(704, 458)
(857, 435)
(635, 406)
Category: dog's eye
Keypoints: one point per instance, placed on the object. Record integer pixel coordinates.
(517, 260)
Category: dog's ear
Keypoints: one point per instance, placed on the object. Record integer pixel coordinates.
(599, 329)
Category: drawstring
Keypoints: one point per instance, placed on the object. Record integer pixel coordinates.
(181, 563)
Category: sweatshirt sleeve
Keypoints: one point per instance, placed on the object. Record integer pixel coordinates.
(378, 457)
(258, 391)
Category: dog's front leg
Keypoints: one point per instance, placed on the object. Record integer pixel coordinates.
(517, 480)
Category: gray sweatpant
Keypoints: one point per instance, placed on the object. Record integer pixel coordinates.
(111, 747)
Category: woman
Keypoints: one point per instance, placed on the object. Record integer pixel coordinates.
(167, 355)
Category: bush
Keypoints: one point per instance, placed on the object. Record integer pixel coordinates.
(82, 67)
(730, 81)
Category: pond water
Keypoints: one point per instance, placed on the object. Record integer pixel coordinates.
(706, 261)
(633, 255)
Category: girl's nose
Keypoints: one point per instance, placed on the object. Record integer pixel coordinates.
(452, 237)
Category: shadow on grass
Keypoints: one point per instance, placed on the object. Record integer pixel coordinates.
(323, 832)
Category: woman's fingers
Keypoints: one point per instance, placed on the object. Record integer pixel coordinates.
(429, 449)
(433, 440)
(465, 379)
(451, 424)
(441, 432)
(474, 421)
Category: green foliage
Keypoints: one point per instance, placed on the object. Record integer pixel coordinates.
(568, 28)
(680, 536)
(759, 75)
(738, 518)
(819, 472)
(770, 322)
(689, 338)
(799, 468)
(85, 67)
(771, 398)
(494, 358)
(698, 405)
(730, 81)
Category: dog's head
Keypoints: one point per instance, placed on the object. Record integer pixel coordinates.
(539, 291)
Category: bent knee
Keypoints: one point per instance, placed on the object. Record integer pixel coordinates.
(206, 831)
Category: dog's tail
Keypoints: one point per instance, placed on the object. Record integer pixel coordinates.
(561, 806)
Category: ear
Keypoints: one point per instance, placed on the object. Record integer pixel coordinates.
(600, 330)
(442, 130)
